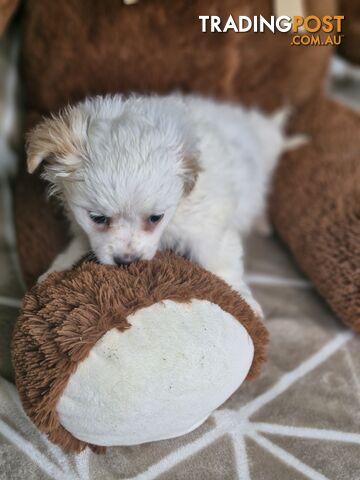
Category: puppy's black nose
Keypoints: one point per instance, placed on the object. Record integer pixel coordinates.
(125, 260)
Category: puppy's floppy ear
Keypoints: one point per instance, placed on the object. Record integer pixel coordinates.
(57, 141)
(190, 172)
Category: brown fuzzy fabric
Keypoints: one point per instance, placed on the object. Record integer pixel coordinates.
(7, 10)
(104, 46)
(350, 46)
(315, 204)
(63, 317)
(42, 231)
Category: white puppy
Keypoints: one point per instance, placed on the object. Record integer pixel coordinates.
(142, 174)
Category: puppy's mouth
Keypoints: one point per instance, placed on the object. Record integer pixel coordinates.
(89, 257)
(116, 261)
(125, 260)
(93, 258)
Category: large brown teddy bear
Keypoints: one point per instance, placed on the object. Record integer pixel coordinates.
(76, 48)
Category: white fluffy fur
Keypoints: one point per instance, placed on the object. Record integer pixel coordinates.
(205, 165)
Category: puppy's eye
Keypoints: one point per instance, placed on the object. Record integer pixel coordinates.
(99, 219)
(155, 218)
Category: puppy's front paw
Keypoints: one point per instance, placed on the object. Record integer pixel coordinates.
(263, 226)
(254, 305)
(237, 283)
(43, 276)
(296, 141)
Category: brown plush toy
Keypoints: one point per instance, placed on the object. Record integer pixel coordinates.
(119, 356)
(75, 48)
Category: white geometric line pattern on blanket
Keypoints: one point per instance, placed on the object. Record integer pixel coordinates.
(237, 424)
(254, 279)
(10, 302)
(234, 423)
(64, 467)
(353, 372)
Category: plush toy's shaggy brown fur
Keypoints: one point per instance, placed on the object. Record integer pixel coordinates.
(63, 317)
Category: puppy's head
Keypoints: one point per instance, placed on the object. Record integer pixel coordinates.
(121, 168)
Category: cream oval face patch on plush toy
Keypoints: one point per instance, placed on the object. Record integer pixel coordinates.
(195, 356)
